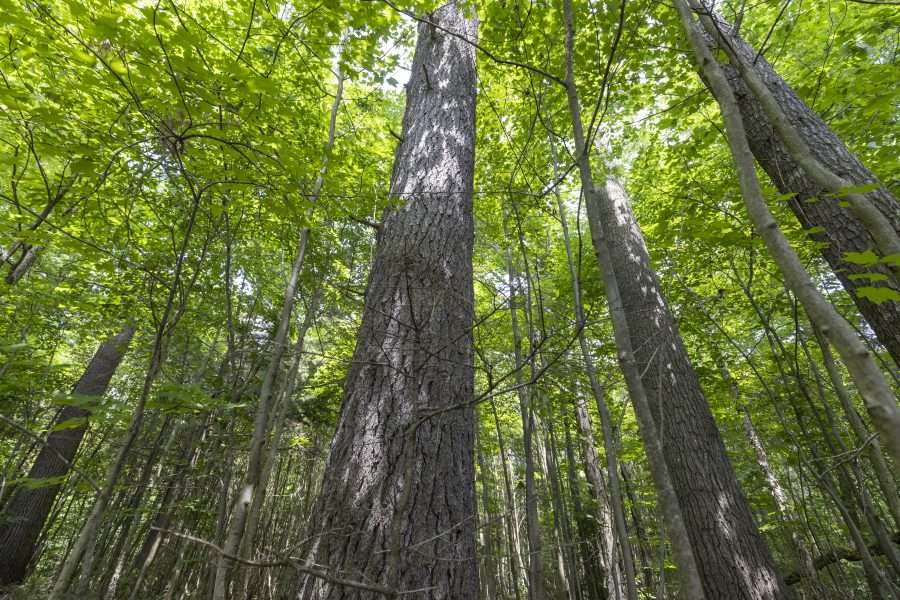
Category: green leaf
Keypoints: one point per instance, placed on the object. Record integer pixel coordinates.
(35, 483)
(879, 295)
(84, 57)
(73, 423)
(864, 188)
(865, 259)
(82, 166)
(868, 276)
(80, 400)
(14, 348)
(891, 259)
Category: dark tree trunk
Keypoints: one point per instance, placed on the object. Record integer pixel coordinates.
(28, 508)
(733, 558)
(594, 571)
(842, 230)
(397, 505)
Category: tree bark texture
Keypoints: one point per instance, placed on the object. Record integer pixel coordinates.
(842, 230)
(732, 556)
(28, 508)
(397, 506)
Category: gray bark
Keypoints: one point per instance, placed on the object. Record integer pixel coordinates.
(880, 401)
(843, 231)
(736, 562)
(662, 479)
(397, 504)
(28, 509)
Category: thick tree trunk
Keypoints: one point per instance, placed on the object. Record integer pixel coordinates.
(842, 230)
(733, 557)
(397, 505)
(879, 398)
(28, 508)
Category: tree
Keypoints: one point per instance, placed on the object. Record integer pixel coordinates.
(26, 512)
(844, 236)
(397, 504)
(694, 409)
(719, 522)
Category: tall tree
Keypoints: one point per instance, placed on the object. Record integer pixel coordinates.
(834, 222)
(736, 562)
(24, 516)
(673, 513)
(397, 504)
(879, 398)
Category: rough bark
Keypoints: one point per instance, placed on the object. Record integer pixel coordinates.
(397, 505)
(842, 230)
(736, 562)
(28, 508)
(880, 401)
(683, 554)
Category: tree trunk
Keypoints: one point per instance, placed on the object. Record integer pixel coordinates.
(736, 562)
(164, 516)
(511, 518)
(682, 551)
(491, 575)
(397, 505)
(261, 426)
(526, 410)
(609, 443)
(561, 518)
(169, 318)
(28, 508)
(873, 447)
(593, 571)
(879, 398)
(842, 230)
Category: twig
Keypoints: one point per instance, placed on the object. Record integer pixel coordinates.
(291, 562)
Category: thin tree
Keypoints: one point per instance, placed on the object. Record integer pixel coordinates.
(879, 399)
(672, 512)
